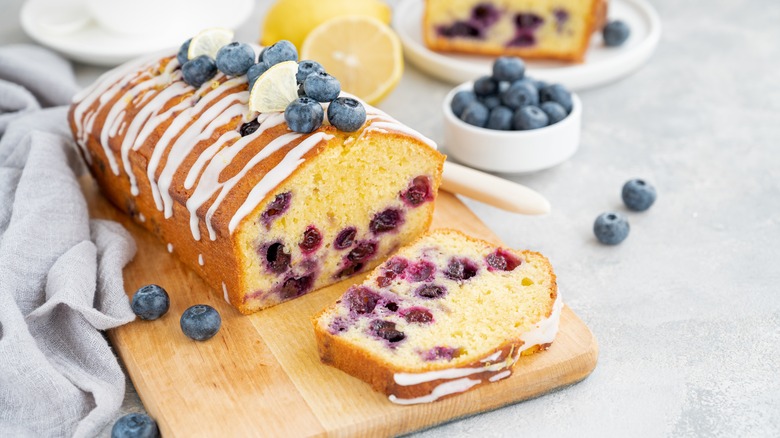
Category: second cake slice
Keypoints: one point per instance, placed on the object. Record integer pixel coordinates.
(445, 314)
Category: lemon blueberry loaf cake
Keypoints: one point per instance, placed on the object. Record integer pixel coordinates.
(443, 315)
(541, 29)
(266, 205)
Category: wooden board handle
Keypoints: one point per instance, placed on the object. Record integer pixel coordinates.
(492, 190)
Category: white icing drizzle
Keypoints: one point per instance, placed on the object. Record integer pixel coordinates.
(502, 375)
(177, 125)
(117, 113)
(141, 217)
(279, 173)
(200, 260)
(204, 126)
(275, 145)
(382, 122)
(446, 388)
(105, 89)
(544, 332)
(209, 182)
(146, 119)
(225, 293)
(493, 357)
(170, 247)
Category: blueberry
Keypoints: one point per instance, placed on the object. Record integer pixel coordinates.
(539, 84)
(312, 239)
(346, 114)
(322, 87)
(150, 302)
(362, 252)
(135, 426)
(279, 205)
(305, 68)
(419, 191)
(615, 33)
(520, 94)
(254, 72)
(485, 86)
(386, 330)
(554, 110)
(278, 260)
(279, 52)
(200, 322)
(417, 314)
(430, 291)
(475, 114)
(611, 228)
(557, 93)
(386, 220)
(491, 101)
(638, 195)
(304, 115)
(460, 269)
(261, 55)
(235, 59)
(182, 55)
(199, 70)
(529, 117)
(508, 68)
(345, 238)
(500, 118)
(361, 300)
(249, 128)
(461, 100)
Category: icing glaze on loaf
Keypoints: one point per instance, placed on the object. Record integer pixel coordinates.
(178, 156)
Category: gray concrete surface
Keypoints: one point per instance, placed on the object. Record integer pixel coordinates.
(687, 309)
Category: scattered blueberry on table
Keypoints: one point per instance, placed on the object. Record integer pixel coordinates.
(200, 322)
(611, 228)
(150, 302)
(638, 195)
(135, 426)
(533, 104)
(615, 33)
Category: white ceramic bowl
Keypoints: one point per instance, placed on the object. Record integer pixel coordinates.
(511, 151)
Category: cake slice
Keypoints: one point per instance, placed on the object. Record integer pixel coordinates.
(531, 29)
(443, 315)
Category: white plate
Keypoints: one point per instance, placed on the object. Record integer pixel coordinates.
(86, 41)
(603, 65)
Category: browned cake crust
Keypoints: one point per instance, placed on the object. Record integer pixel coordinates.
(595, 21)
(334, 350)
(92, 110)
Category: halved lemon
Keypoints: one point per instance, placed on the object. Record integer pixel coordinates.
(275, 88)
(209, 41)
(293, 19)
(363, 53)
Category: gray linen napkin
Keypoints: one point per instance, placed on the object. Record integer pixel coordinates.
(60, 272)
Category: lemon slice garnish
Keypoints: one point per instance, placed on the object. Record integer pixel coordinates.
(275, 88)
(362, 52)
(209, 41)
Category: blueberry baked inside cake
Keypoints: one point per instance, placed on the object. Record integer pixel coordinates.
(441, 316)
(531, 29)
(265, 205)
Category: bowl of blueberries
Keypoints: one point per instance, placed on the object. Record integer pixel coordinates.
(509, 122)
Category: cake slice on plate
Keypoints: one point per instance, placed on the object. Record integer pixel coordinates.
(531, 29)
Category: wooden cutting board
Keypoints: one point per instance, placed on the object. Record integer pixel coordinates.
(261, 375)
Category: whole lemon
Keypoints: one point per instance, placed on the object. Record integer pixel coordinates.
(293, 19)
